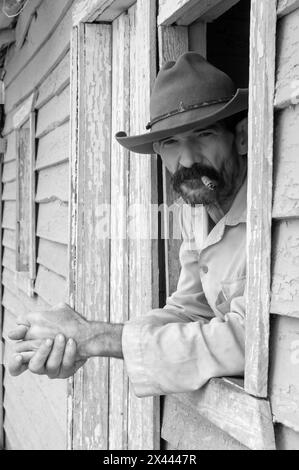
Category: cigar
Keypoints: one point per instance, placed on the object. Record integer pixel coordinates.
(209, 183)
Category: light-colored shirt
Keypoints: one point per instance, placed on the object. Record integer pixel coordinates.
(199, 334)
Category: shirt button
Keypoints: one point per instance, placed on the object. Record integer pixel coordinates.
(204, 269)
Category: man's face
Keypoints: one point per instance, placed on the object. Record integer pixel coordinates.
(209, 152)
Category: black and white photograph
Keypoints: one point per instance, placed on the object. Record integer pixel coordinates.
(149, 236)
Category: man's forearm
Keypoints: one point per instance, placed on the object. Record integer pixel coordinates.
(104, 340)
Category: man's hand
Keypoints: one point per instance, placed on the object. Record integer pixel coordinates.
(56, 359)
(43, 325)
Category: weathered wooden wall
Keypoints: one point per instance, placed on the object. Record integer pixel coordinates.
(35, 407)
(284, 332)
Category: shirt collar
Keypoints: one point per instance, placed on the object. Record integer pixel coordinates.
(238, 211)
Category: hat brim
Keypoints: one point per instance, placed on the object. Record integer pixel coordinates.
(144, 143)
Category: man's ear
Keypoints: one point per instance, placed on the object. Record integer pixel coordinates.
(241, 134)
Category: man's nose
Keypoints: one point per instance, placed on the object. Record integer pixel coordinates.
(187, 155)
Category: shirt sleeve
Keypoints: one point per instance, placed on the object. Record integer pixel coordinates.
(178, 348)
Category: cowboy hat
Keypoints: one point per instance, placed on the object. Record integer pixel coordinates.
(189, 93)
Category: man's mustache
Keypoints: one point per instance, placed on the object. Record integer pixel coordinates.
(193, 173)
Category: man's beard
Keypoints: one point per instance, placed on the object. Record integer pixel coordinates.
(187, 182)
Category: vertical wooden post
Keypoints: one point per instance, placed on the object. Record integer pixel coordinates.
(119, 255)
(90, 196)
(143, 419)
(259, 217)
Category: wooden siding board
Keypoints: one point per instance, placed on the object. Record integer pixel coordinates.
(284, 7)
(9, 238)
(41, 65)
(100, 10)
(53, 256)
(24, 22)
(284, 378)
(16, 300)
(184, 12)
(55, 82)
(12, 440)
(9, 172)
(20, 280)
(54, 113)
(10, 153)
(259, 211)
(50, 287)
(52, 184)
(286, 167)
(53, 148)
(9, 191)
(244, 417)
(184, 430)
(287, 59)
(92, 190)
(9, 215)
(286, 438)
(44, 25)
(118, 380)
(285, 273)
(52, 221)
(143, 419)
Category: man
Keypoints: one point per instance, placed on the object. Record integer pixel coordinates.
(197, 128)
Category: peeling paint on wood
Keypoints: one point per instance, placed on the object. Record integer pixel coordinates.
(285, 269)
(143, 419)
(185, 12)
(259, 204)
(91, 270)
(119, 253)
(53, 148)
(286, 164)
(287, 59)
(284, 378)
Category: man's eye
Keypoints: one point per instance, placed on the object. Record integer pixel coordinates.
(203, 134)
(169, 142)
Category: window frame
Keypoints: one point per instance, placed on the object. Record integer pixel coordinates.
(173, 40)
(25, 113)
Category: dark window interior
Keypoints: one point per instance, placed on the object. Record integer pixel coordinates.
(228, 43)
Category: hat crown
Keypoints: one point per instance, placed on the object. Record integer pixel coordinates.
(189, 81)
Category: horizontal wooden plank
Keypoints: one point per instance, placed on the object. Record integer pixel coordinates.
(9, 239)
(185, 430)
(286, 438)
(54, 113)
(41, 425)
(287, 60)
(286, 165)
(53, 148)
(100, 10)
(17, 301)
(55, 82)
(50, 286)
(53, 183)
(20, 280)
(52, 222)
(226, 405)
(285, 274)
(53, 256)
(9, 172)
(185, 12)
(26, 438)
(284, 7)
(11, 149)
(41, 65)
(9, 323)
(12, 440)
(9, 191)
(284, 377)
(48, 17)
(9, 259)
(24, 21)
(9, 215)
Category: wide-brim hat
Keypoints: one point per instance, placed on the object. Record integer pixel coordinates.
(188, 94)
